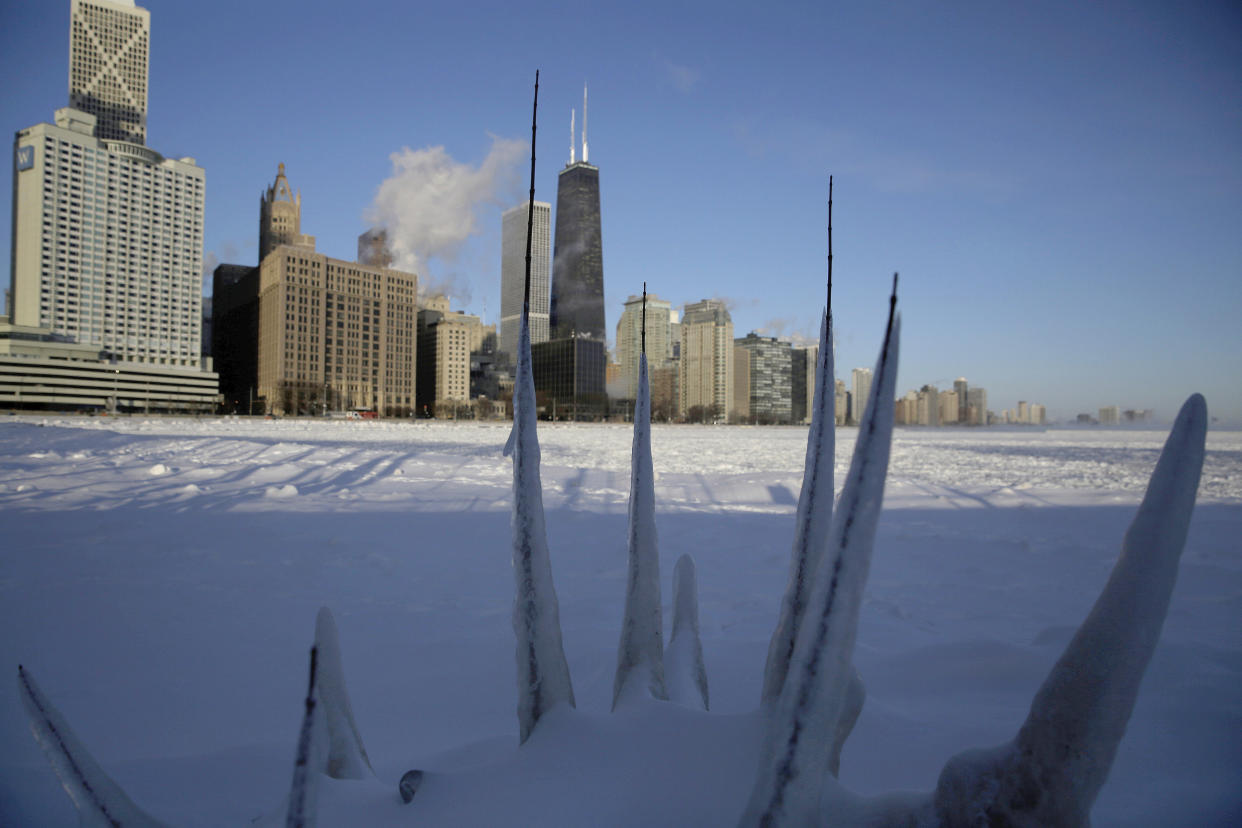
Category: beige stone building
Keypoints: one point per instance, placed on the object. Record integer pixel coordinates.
(446, 339)
(706, 376)
(741, 384)
(660, 319)
(333, 335)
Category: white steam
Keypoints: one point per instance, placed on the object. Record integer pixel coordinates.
(431, 204)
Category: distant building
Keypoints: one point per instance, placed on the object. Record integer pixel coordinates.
(948, 407)
(446, 340)
(977, 406)
(962, 390)
(513, 224)
(569, 378)
(577, 301)
(740, 408)
(803, 379)
(109, 55)
(659, 314)
(333, 335)
(861, 380)
(664, 393)
(235, 334)
(373, 248)
(928, 406)
(841, 403)
(1110, 415)
(706, 360)
(771, 365)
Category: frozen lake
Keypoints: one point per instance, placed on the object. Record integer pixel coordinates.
(161, 576)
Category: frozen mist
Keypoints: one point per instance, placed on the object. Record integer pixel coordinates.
(168, 616)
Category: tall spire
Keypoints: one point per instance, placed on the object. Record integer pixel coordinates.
(573, 136)
(585, 158)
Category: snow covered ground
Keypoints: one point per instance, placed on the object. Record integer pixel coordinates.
(160, 578)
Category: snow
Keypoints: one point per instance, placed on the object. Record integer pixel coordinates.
(170, 625)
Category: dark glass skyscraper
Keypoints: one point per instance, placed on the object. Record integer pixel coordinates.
(577, 306)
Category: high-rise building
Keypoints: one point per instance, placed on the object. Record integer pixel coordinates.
(977, 406)
(659, 315)
(333, 335)
(928, 406)
(841, 403)
(513, 224)
(805, 364)
(577, 301)
(108, 61)
(706, 358)
(740, 410)
(235, 335)
(948, 407)
(962, 390)
(445, 341)
(771, 365)
(373, 248)
(280, 217)
(1110, 415)
(861, 379)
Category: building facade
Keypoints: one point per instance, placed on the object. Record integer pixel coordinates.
(771, 378)
(659, 317)
(861, 381)
(108, 62)
(235, 335)
(446, 339)
(569, 378)
(513, 224)
(577, 297)
(280, 217)
(706, 358)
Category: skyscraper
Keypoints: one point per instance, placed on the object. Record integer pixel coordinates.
(108, 60)
(771, 365)
(513, 274)
(577, 305)
(707, 358)
(630, 339)
(280, 217)
(861, 378)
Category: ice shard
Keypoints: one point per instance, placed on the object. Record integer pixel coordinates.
(685, 671)
(640, 653)
(1051, 773)
(98, 799)
(815, 697)
(814, 517)
(346, 756)
(542, 671)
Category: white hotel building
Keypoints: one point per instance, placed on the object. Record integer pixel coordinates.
(107, 238)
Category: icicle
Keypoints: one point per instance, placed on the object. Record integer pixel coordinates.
(98, 799)
(640, 654)
(542, 672)
(347, 758)
(816, 692)
(304, 792)
(1050, 774)
(687, 675)
(814, 503)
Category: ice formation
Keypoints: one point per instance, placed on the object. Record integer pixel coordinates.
(1048, 775)
(640, 654)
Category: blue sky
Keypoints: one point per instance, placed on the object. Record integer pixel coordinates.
(1060, 184)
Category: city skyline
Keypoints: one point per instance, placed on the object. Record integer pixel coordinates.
(1058, 189)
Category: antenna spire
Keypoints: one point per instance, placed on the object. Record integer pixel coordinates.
(573, 136)
(584, 123)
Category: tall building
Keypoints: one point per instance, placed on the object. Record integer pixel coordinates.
(108, 61)
(928, 412)
(1110, 415)
(977, 406)
(706, 358)
(445, 341)
(740, 406)
(659, 315)
(280, 217)
(235, 335)
(841, 403)
(805, 362)
(948, 407)
(962, 390)
(513, 225)
(577, 301)
(333, 335)
(771, 365)
(861, 379)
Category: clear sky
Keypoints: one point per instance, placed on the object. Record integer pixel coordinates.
(1059, 184)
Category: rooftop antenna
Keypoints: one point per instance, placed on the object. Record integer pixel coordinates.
(584, 124)
(573, 136)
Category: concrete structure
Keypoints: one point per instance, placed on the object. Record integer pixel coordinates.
(928, 406)
(445, 341)
(513, 274)
(42, 370)
(629, 340)
(235, 335)
(107, 243)
(803, 379)
(280, 217)
(948, 407)
(333, 335)
(861, 382)
(108, 61)
(373, 248)
(740, 408)
(771, 366)
(706, 358)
